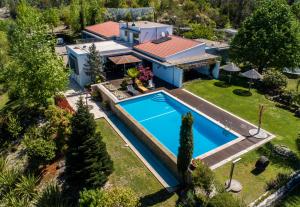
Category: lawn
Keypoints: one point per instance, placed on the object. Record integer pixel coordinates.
(131, 172)
(292, 84)
(280, 122)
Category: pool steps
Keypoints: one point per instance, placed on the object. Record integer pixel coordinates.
(159, 98)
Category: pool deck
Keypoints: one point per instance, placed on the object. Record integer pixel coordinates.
(233, 122)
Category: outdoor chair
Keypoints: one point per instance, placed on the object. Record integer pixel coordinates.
(151, 84)
(131, 90)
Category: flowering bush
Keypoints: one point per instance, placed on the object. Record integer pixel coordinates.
(145, 74)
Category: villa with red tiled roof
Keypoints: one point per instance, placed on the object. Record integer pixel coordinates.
(171, 58)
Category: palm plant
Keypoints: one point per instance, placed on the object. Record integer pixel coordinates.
(133, 73)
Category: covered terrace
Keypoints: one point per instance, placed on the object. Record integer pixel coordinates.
(118, 65)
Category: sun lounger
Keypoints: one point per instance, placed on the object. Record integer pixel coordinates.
(140, 86)
(131, 90)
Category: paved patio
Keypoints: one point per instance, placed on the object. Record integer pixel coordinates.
(75, 92)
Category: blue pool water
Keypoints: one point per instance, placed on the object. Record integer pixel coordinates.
(160, 115)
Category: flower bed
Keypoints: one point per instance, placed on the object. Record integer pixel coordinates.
(62, 103)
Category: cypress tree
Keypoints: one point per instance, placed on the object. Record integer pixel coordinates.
(186, 147)
(87, 162)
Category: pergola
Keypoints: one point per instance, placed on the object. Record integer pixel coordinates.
(124, 59)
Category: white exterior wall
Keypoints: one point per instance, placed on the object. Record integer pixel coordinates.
(198, 50)
(149, 34)
(82, 79)
(171, 75)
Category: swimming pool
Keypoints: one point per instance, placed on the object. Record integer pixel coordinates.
(160, 114)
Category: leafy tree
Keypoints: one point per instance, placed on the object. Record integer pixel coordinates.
(51, 17)
(58, 126)
(124, 197)
(37, 73)
(87, 161)
(274, 80)
(200, 31)
(94, 65)
(186, 147)
(203, 177)
(296, 9)
(268, 38)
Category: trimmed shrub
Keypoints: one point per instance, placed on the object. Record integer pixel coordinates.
(274, 81)
(203, 177)
(225, 199)
(40, 150)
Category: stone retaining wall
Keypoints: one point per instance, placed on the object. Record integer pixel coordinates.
(280, 193)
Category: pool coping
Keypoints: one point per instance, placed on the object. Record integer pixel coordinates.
(210, 152)
(222, 159)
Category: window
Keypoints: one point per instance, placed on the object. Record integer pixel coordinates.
(73, 63)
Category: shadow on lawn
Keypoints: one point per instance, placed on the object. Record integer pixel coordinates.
(275, 159)
(222, 84)
(157, 197)
(242, 92)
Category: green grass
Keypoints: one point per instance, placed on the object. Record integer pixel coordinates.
(292, 84)
(292, 200)
(280, 122)
(131, 172)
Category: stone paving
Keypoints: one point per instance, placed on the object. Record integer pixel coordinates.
(75, 92)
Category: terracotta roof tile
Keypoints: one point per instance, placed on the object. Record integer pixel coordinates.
(162, 50)
(106, 29)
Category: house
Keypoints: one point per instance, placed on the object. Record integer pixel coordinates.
(78, 55)
(143, 31)
(171, 58)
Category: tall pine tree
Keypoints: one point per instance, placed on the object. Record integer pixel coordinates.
(186, 147)
(94, 65)
(87, 161)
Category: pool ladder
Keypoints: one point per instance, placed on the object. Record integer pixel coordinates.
(159, 97)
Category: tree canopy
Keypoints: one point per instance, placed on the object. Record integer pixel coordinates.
(268, 38)
(36, 73)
